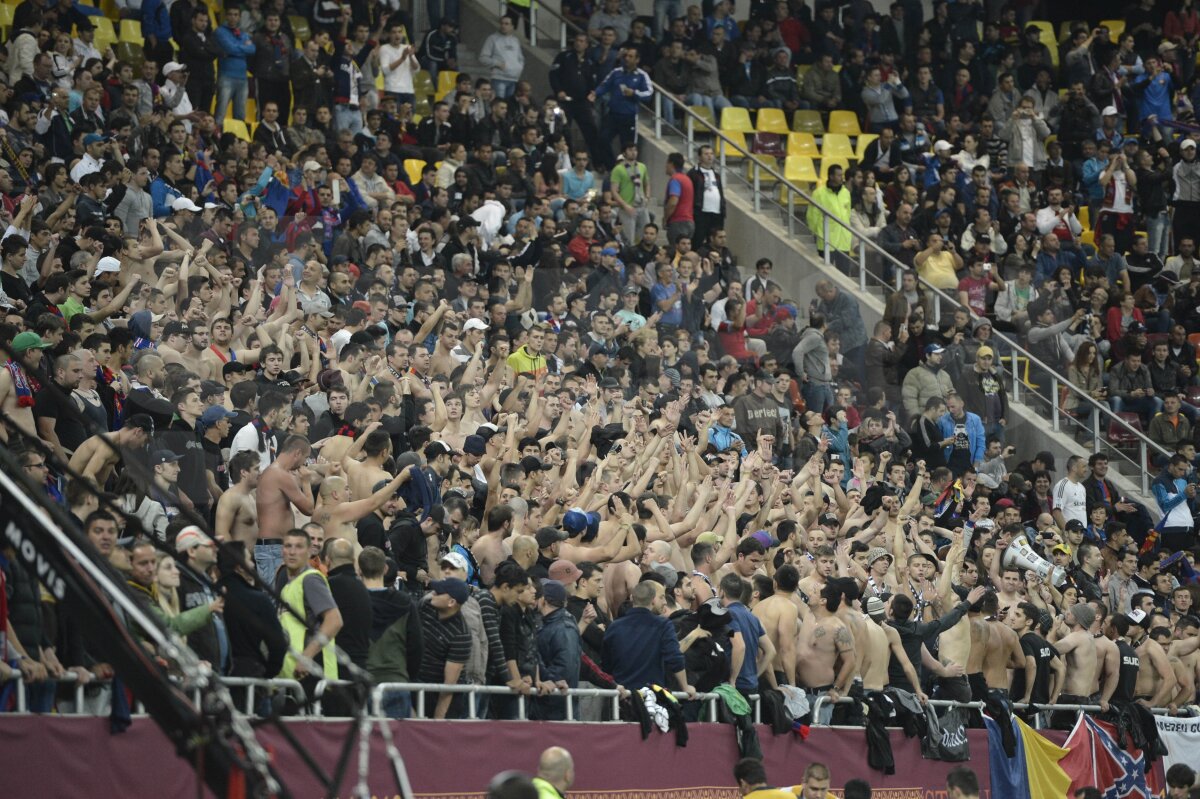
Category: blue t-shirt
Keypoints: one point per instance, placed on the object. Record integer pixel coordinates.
(1156, 98)
(744, 622)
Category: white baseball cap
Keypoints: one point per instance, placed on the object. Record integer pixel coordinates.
(1109, 111)
(184, 204)
(474, 324)
(107, 264)
(942, 146)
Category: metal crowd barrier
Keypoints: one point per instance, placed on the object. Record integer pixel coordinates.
(822, 702)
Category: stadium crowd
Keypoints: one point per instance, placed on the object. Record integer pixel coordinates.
(489, 420)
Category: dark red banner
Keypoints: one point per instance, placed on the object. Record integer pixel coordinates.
(61, 756)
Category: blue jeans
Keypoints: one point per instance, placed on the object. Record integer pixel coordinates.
(347, 118)
(817, 396)
(716, 104)
(267, 559)
(396, 704)
(665, 8)
(1143, 406)
(235, 89)
(1158, 228)
(504, 88)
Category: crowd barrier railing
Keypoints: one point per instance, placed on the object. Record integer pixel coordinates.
(1093, 418)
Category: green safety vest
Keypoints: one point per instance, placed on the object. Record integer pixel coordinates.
(293, 624)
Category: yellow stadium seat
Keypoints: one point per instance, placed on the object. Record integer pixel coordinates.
(844, 122)
(422, 107)
(706, 117)
(799, 169)
(412, 168)
(801, 71)
(1047, 30)
(763, 175)
(771, 120)
(736, 119)
(423, 84)
(130, 53)
(251, 109)
(6, 17)
(1064, 29)
(808, 121)
(836, 145)
(131, 31)
(379, 80)
(803, 144)
(1115, 28)
(736, 149)
(300, 28)
(797, 199)
(1088, 237)
(827, 163)
(238, 128)
(106, 34)
(110, 9)
(445, 83)
(1084, 216)
(860, 145)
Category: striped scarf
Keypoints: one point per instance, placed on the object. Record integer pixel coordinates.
(23, 385)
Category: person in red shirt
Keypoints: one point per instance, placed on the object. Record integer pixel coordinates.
(677, 209)
(585, 237)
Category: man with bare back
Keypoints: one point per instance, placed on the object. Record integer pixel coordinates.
(338, 512)
(1003, 650)
(488, 549)
(284, 485)
(237, 509)
(1073, 639)
(826, 660)
(883, 645)
(376, 446)
(780, 617)
(96, 457)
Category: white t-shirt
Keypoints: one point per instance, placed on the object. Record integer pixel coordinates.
(400, 79)
(712, 194)
(1071, 499)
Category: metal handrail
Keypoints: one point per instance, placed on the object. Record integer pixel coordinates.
(822, 701)
(1058, 380)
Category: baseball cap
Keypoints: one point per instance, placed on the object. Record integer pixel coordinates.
(942, 146)
(452, 587)
(1136, 616)
(436, 448)
(107, 264)
(532, 463)
(609, 251)
(162, 456)
(610, 383)
(985, 352)
(475, 445)
(467, 221)
(191, 537)
(597, 349)
(765, 538)
(312, 166)
(548, 535)
(28, 340)
(764, 376)
(475, 324)
(172, 66)
(515, 152)
(1004, 502)
(215, 414)
(829, 519)
(1064, 548)
(318, 308)
(456, 561)
(564, 571)
(1187, 144)
(933, 349)
(554, 592)
(631, 290)
(184, 204)
(177, 329)
(93, 138)
(1074, 524)
(875, 607)
(576, 520)
(1109, 111)
(709, 538)
(668, 573)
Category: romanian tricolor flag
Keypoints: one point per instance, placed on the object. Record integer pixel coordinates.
(1033, 772)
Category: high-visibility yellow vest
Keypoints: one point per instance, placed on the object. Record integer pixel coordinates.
(293, 624)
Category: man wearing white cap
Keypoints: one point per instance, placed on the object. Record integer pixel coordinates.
(174, 92)
(473, 332)
(1110, 124)
(1186, 200)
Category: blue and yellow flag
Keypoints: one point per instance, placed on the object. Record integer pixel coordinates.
(1033, 772)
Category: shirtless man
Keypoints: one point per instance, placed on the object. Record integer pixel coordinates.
(1107, 653)
(954, 644)
(1008, 586)
(16, 401)
(851, 615)
(823, 560)
(1185, 648)
(193, 354)
(237, 509)
(780, 617)
(883, 644)
(1156, 681)
(284, 485)
(489, 547)
(175, 343)
(362, 475)
(97, 456)
(1003, 650)
(220, 351)
(1073, 639)
(338, 512)
(825, 658)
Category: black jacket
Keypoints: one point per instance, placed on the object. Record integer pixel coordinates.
(354, 602)
(206, 641)
(407, 543)
(573, 76)
(257, 643)
(698, 186)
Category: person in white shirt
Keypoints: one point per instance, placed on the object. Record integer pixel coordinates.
(399, 62)
(174, 92)
(1069, 496)
(93, 156)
